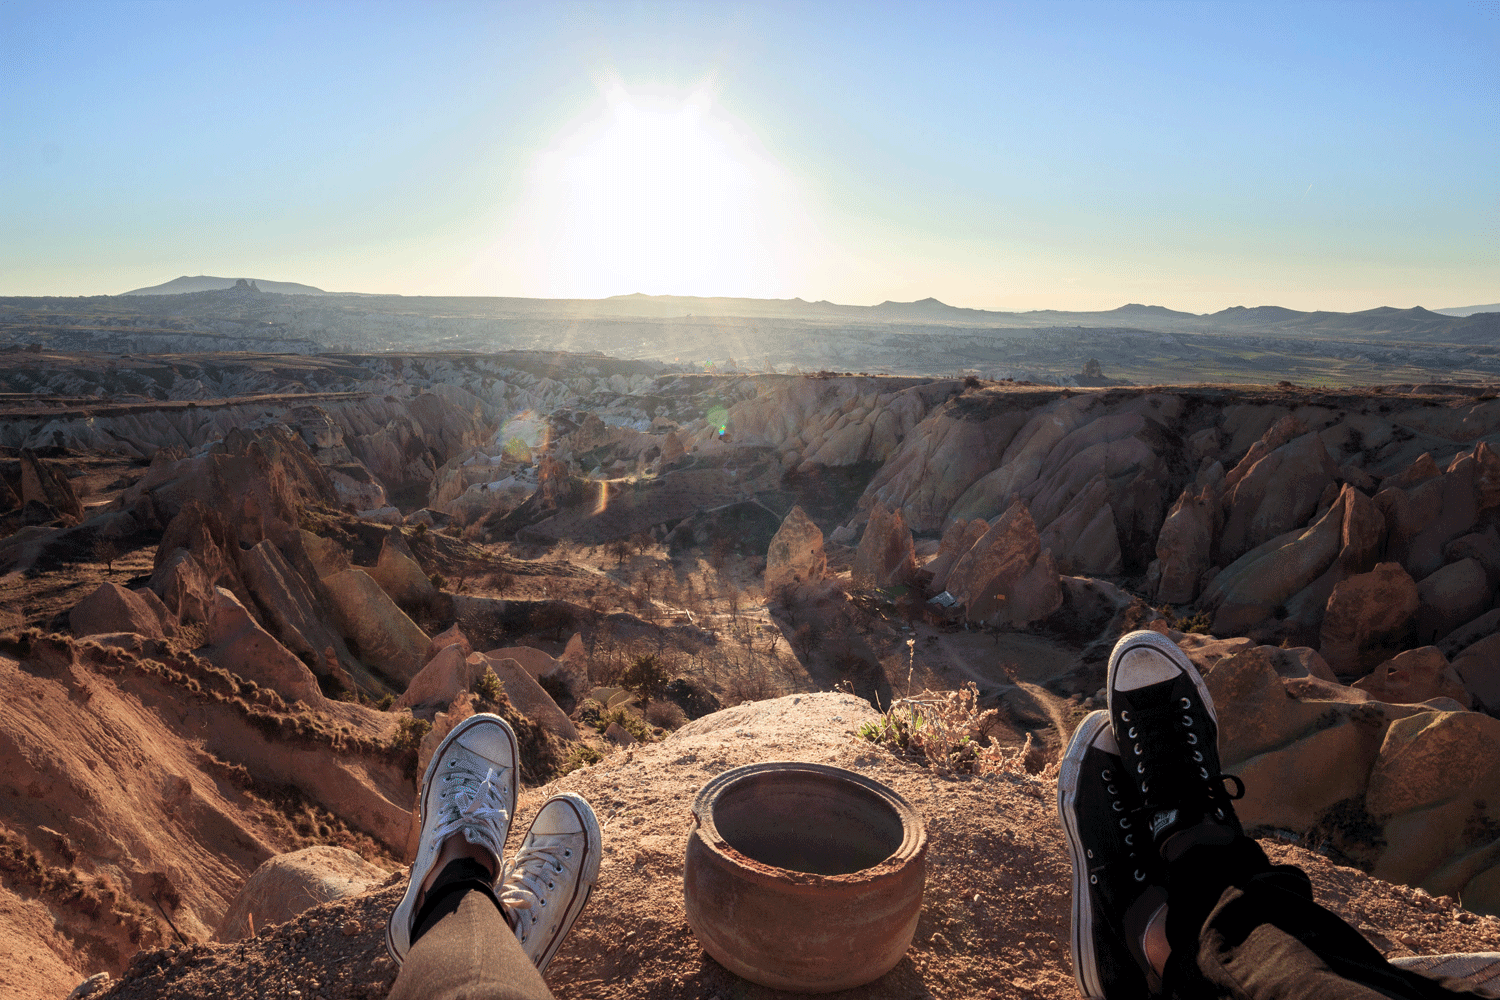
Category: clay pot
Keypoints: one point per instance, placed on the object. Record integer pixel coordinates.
(804, 877)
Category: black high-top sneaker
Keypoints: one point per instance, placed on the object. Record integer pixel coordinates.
(1117, 881)
(1168, 734)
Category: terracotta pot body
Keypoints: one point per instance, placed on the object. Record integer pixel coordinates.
(804, 877)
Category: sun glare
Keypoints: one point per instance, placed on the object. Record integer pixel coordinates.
(659, 194)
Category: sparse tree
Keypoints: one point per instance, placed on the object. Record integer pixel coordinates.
(805, 640)
(106, 551)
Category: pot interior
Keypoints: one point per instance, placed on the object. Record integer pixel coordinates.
(807, 822)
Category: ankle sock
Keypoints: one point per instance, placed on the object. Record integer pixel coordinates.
(459, 877)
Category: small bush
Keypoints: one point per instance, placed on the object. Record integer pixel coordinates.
(581, 755)
(385, 702)
(646, 677)
(420, 530)
(438, 580)
(409, 733)
(1199, 624)
(628, 721)
(666, 715)
(490, 687)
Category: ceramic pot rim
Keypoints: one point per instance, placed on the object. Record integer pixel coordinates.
(913, 830)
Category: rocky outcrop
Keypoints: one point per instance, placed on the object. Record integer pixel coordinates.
(238, 644)
(289, 884)
(292, 612)
(1184, 547)
(796, 553)
(443, 676)
(113, 608)
(1083, 538)
(1254, 586)
(1478, 667)
(1369, 619)
(1275, 495)
(1368, 778)
(378, 631)
(400, 577)
(184, 587)
(526, 695)
(940, 460)
(1451, 596)
(45, 483)
(1007, 578)
(886, 555)
(1415, 675)
(1441, 817)
(958, 538)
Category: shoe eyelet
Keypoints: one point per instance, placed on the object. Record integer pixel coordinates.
(551, 886)
(1187, 703)
(1116, 806)
(1132, 734)
(567, 854)
(1124, 716)
(1192, 739)
(1093, 880)
(1145, 787)
(1187, 721)
(1110, 789)
(1089, 853)
(1106, 775)
(1140, 876)
(1140, 769)
(1125, 823)
(1218, 814)
(1129, 841)
(1203, 773)
(544, 902)
(1137, 749)
(559, 869)
(1197, 757)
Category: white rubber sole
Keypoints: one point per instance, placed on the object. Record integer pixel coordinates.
(1085, 969)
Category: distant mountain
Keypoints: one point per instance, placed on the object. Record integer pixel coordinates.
(207, 283)
(1493, 307)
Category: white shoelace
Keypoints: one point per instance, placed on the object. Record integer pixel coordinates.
(477, 807)
(530, 879)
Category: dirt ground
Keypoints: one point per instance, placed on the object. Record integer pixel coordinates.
(994, 923)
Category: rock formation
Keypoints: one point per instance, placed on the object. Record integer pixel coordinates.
(112, 608)
(1007, 578)
(289, 884)
(886, 555)
(238, 644)
(796, 553)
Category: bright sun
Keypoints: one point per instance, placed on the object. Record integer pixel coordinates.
(663, 195)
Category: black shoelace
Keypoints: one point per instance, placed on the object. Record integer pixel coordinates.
(1170, 769)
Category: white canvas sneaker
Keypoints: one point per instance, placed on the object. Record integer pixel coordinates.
(469, 787)
(549, 881)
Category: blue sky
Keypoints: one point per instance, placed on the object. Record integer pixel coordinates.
(1057, 155)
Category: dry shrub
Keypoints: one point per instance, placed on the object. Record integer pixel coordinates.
(190, 636)
(952, 734)
(666, 715)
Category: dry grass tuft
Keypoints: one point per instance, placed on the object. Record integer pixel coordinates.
(953, 736)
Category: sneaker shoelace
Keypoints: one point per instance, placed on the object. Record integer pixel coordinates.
(1127, 817)
(478, 807)
(531, 878)
(1171, 772)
